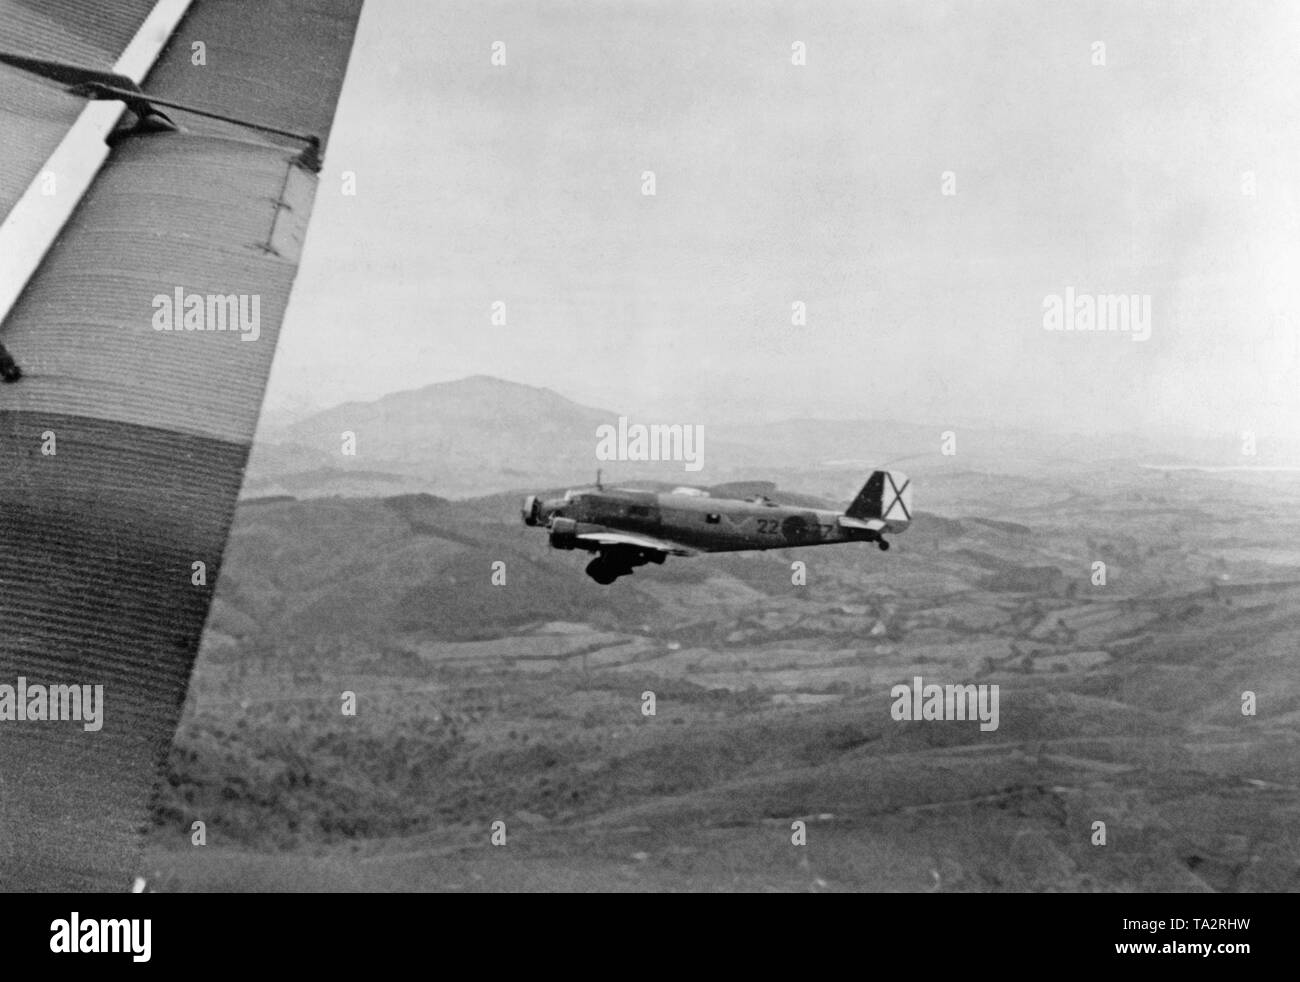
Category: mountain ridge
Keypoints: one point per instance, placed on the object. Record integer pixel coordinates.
(480, 434)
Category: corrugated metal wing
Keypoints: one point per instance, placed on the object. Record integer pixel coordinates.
(90, 34)
(150, 430)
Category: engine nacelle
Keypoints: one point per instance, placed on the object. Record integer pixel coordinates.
(532, 510)
(564, 533)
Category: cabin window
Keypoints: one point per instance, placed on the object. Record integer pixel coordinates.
(712, 519)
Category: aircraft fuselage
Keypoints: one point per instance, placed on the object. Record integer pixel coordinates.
(628, 528)
(708, 524)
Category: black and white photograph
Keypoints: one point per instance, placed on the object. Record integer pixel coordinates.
(650, 446)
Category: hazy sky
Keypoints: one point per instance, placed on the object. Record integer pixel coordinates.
(819, 183)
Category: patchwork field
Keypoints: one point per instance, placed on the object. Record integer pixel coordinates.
(524, 703)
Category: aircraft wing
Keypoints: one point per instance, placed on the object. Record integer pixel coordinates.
(634, 541)
(123, 445)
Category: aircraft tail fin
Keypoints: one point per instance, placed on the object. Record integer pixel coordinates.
(887, 497)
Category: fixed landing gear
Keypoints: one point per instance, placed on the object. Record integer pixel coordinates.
(882, 545)
(605, 572)
(609, 566)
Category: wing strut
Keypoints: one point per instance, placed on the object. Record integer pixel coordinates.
(93, 84)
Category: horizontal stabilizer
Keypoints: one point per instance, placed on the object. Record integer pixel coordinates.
(863, 525)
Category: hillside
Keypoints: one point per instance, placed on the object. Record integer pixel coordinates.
(522, 702)
(479, 435)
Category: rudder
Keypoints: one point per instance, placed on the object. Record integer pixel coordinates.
(886, 496)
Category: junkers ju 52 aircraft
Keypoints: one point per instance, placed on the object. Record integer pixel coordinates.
(628, 528)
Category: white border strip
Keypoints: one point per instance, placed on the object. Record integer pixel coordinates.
(37, 218)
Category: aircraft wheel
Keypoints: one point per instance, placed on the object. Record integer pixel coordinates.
(603, 572)
(882, 545)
